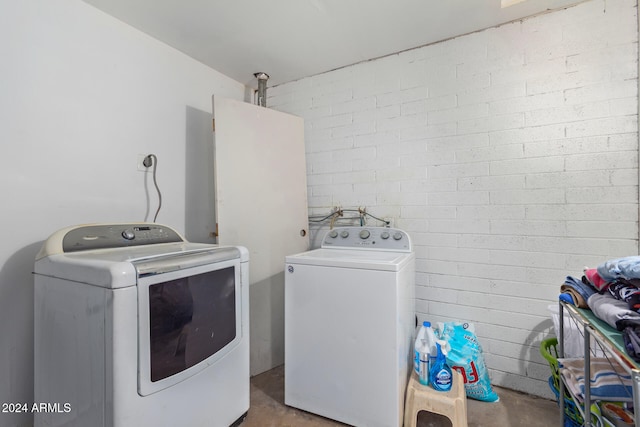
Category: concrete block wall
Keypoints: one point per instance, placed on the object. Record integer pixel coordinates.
(510, 155)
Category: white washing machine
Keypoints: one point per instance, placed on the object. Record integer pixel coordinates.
(134, 326)
(349, 324)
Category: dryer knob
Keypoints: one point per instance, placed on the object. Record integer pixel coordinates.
(384, 235)
(364, 234)
(397, 236)
(128, 234)
(344, 234)
(333, 234)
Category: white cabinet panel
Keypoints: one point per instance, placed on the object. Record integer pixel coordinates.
(261, 203)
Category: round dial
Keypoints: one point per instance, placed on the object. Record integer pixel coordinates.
(344, 234)
(128, 234)
(397, 236)
(333, 234)
(384, 235)
(364, 234)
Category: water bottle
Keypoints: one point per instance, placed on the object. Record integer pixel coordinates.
(425, 352)
(425, 364)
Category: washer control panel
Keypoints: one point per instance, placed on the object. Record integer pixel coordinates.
(103, 236)
(379, 238)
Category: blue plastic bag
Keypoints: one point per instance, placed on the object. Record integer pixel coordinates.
(465, 356)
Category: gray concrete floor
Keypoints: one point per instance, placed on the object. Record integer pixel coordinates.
(514, 409)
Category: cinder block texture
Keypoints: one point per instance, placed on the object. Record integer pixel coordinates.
(510, 156)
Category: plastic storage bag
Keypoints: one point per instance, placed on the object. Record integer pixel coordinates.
(573, 335)
(465, 356)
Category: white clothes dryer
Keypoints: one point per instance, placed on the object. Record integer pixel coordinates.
(349, 324)
(134, 326)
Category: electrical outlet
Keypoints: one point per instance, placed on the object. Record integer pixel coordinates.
(141, 166)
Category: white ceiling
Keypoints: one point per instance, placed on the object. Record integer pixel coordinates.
(292, 39)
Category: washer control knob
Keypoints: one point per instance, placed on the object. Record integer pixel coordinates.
(344, 234)
(128, 234)
(333, 234)
(364, 234)
(397, 236)
(384, 235)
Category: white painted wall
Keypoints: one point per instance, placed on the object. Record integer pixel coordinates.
(82, 96)
(510, 156)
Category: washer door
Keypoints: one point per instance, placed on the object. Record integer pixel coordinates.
(187, 320)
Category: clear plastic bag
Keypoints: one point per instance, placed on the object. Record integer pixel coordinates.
(573, 335)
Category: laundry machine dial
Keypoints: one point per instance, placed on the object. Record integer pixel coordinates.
(364, 234)
(128, 234)
(344, 234)
(333, 234)
(384, 235)
(397, 236)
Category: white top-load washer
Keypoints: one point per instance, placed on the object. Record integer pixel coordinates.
(349, 324)
(134, 326)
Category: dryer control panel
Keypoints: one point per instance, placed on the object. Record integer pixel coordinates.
(378, 238)
(103, 236)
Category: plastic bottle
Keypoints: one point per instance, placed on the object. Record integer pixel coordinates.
(418, 347)
(425, 363)
(440, 375)
(425, 352)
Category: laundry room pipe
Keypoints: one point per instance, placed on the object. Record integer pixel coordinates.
(262, 88)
